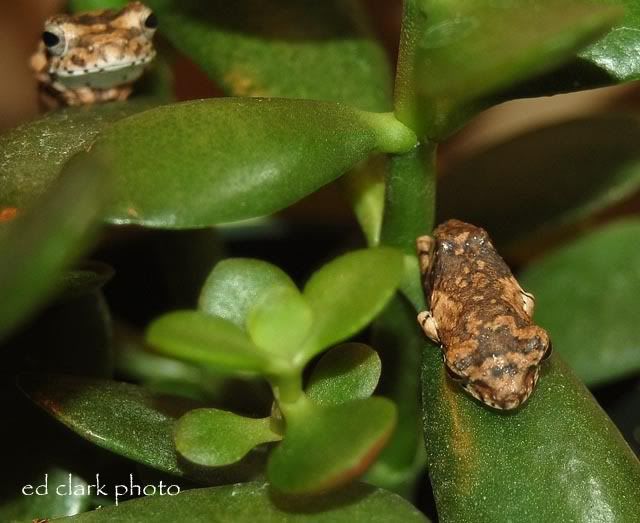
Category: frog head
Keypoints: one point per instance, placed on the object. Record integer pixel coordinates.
(505, 366)
(100, 49)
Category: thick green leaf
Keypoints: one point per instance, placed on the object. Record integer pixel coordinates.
(32, 155)
(348, 372)
(280, 321)
(544, 178)
(38, 244)
(327, 446)
(213, 438)
(455, 52)
(125, 419)
(234, 286)
(616, 53)
(230, 159)
(291, 48)
(559, 458)
(348, 292)
(122, 418)
(587, 298)
(252, 502)
(207, 340)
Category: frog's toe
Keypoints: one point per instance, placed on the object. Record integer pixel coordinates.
(429, 326)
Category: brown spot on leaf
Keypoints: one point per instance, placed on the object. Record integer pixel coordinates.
(8, 213)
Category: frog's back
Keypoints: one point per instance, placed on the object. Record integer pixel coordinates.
(471, 283)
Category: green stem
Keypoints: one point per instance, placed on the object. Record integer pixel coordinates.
(410, 198)
(287, 389)
(391, 134)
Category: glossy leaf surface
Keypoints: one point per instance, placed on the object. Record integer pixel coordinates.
(561, 445)
(280, 321)
(347, 372)
(586, 297)
(230, 159)
(348, 292)
(253, 502)
(32, 155)
(616, 52)
(325, 447)
(291, 48)
(213, 437)
(234, 286)
(122, 418)
(128, 420)
(207, 340)
(457, 52)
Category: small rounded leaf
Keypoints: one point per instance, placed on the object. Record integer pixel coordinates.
(208, 340)
(348, 292)
(325, 447)
(215, 438)
(347, 372)
(280, 321)
(235, 285)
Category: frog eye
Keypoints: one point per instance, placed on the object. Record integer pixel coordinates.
(548, 352)
(151, 22)
(54, 41)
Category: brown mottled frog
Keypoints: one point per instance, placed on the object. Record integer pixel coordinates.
(94, 57)
(480, 316)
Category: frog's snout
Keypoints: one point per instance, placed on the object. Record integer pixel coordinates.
(508, 396)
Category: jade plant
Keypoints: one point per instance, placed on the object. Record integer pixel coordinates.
(181, 343)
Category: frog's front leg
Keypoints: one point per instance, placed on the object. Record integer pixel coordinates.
(528, 301)
(425, 245)
(429, 326)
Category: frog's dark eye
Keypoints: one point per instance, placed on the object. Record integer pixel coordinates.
(50, 39)
(151, 22)
(53, 39)
(547, 353)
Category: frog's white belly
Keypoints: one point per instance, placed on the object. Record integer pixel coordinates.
(104, 78)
